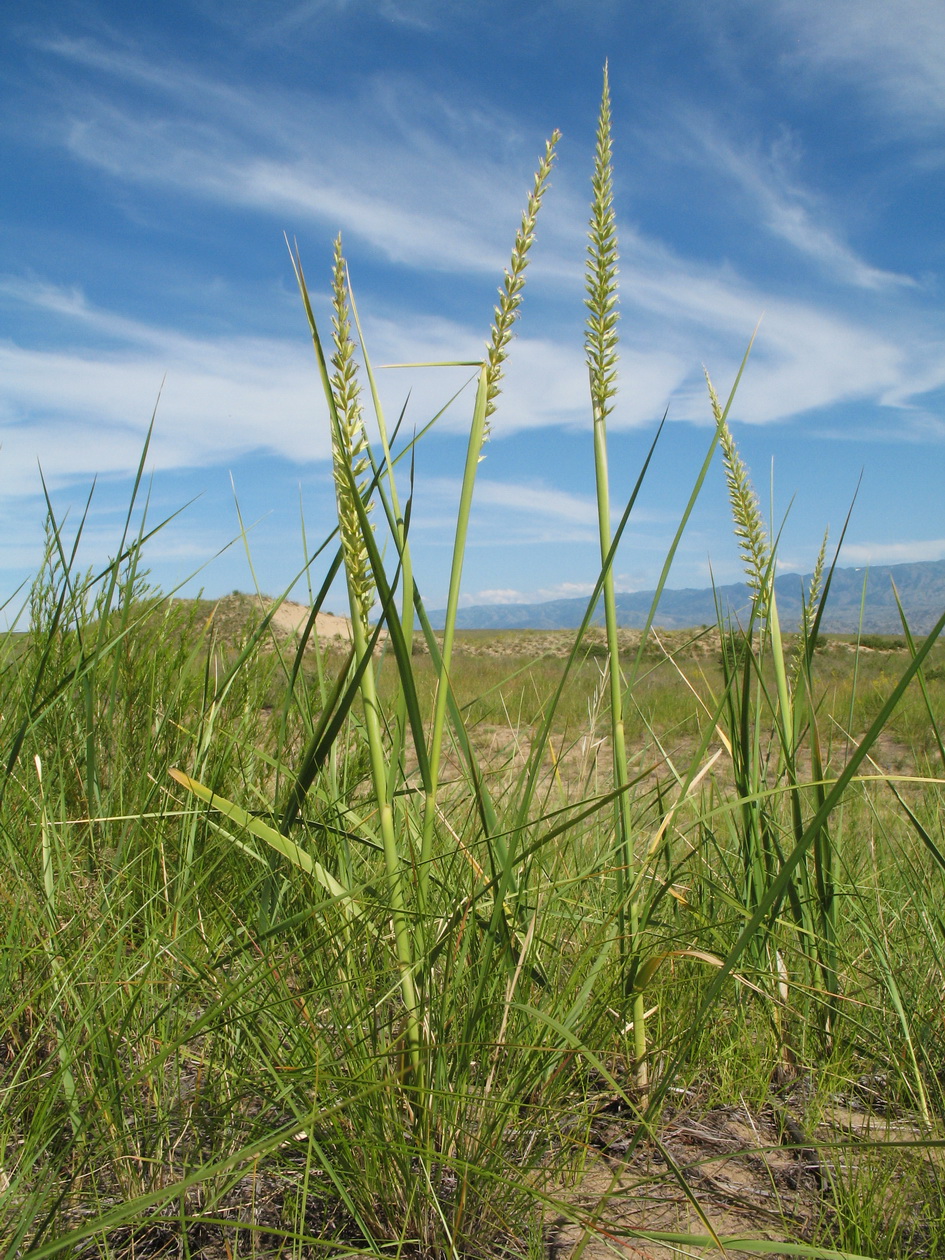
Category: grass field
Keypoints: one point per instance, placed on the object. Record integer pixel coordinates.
(466, 945)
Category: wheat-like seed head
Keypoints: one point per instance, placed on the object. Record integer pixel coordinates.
(746, 512)
(713, 399)
(809, 614)
(817, 581)
(349, 443)
(816, 584)
(510, 295)
(600, 342)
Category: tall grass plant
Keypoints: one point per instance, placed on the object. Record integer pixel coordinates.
(296, 964)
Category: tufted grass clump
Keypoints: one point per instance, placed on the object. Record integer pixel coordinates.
(389, 952)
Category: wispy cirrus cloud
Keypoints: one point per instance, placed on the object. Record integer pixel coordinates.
(533, 513)
(774, 197)
(893, 55)
(83, 404)
(425, 183)
(443, 187)
(538, 595)
(542, 500)
(807, 356)
(900, 552)
(512, 512)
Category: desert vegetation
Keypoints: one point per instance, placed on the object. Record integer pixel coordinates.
(440, 944)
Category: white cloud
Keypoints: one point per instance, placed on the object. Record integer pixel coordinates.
(539, 595)
(424, 183)
(908, 552)
(893, 53)
(786, 209)
(806, 356)
(508, 513)
(84, 409)
(545, 380)
(547, 384)
(543, 500)
(500, 596)
(504, 501)
(677, 315)
(82, 413)
(436, 188)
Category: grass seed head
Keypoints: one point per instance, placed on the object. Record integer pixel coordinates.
(600, 342)
(510, 295)
(816, 585)
(349, 443)
(746, 513)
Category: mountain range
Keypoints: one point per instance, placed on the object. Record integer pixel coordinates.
(858, 599)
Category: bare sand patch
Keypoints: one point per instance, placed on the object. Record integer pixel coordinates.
(236, 614)
(292, 618)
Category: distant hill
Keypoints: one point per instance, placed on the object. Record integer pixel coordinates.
(921, 589)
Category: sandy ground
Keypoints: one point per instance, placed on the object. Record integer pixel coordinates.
(291, 618)
(741, 1174)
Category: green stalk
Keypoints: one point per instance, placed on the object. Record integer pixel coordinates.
(601, 351)
(399, 530)
(69, 1090)
(473, 449)
(348, 445)
(810, 892)
(392, 862)
(506, 313)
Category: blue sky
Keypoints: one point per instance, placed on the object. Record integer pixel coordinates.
(780, 162)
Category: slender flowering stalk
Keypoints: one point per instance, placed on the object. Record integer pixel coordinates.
(600, 345)
(809, 614)
(601, 283)
(816, 585)
(506, 313)
(349, 450)
(510, 295)
(349, 445)
(758, 559)
(746, 512)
